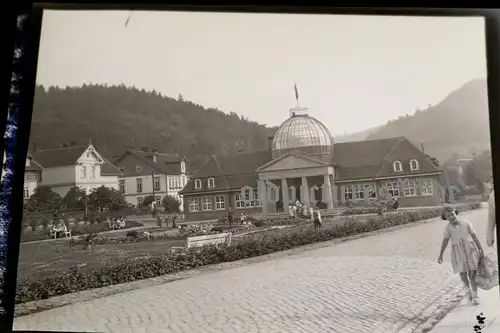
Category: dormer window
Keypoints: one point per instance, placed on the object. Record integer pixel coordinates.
(398, 167)
(197, 184)
(183, 167)
(211, 182)
(414, 165)
(121, 168)
(138, 168)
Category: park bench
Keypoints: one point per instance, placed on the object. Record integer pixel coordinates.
(198, 241)
(55, 231)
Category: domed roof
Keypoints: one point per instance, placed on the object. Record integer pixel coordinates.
(302, 131)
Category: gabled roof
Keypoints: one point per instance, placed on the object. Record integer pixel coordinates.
(375, 158)
(165, 163)
(68, 156)
(58, 157)
(296, 153)
(231, 172)
(34, 166)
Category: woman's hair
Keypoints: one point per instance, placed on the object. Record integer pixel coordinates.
(447, 209)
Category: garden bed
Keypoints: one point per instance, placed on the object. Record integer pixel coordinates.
(76, 230)
(111, 264)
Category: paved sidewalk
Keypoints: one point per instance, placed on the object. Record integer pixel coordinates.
(463, 318)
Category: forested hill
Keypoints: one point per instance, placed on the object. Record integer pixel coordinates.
(118, 117)
(457, 126)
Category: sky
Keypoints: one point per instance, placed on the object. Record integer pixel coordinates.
(352, 72)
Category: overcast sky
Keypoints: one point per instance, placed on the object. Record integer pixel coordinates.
(352, 72)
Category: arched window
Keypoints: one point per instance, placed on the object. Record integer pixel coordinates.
(197, 184)
(211, 182)
(414, 165)
(398, 167)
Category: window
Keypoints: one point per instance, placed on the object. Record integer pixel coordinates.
(157, 183)
(348, 192)
(393, 189)
(121, 183)
(273, 194)
(140, 201)
(255, 201)
(83, 172)
(121, 168)
(26, 192)
(138, 168)
(359, 192)
(238, 202)
(92, 172)
(206, 203)
(183, 167)
(410, 188)
(427, 188)
(291, 199)
(211, 182)
(158, 201)
(372, 191)
(194, 205)
(197, 184)
(398, 167)
(139, 185)
(414, 165)
(220, 202)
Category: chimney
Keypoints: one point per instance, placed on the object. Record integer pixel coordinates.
(270, 142)
(145, 149)
(155, 154)
(422, 146)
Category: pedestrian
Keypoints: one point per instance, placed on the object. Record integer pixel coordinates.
(490, 232)
(290, 210)
(316, 216)
(230, 216)
(294, 210)
(465, 250)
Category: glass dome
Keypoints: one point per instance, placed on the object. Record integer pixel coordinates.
(302, 132)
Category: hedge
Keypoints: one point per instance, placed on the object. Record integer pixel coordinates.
(149, 267)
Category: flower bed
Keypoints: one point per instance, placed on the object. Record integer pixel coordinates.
(360, 211)
(30, 236)
(149, 267)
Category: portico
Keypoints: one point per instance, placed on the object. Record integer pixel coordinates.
(293, 176)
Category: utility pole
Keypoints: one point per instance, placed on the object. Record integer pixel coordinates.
(154, 197)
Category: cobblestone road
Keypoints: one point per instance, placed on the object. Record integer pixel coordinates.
(383, 283)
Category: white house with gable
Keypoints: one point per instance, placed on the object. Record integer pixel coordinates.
(80, 166)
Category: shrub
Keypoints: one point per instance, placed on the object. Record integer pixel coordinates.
(132, 233)
(258, 223)
(149, 267)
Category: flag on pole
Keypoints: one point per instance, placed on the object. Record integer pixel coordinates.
(296, 92)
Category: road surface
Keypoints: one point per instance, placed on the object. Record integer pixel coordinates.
(382, 283)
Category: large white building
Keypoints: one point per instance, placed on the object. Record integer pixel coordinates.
(147, 173)
(80, 166)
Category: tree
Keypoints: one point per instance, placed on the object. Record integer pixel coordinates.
(105, 198)
(44, 200)
(171, 204)
(148, 200)
(75, 198)
(479, 171)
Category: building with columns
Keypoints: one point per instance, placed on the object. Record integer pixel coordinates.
(303, 163)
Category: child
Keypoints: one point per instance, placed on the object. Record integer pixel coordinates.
(316, 216)
(465, 250)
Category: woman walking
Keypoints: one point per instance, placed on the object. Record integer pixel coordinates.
(465, 250)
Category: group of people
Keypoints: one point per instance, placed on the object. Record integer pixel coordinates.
(466, 249)
(298, 208)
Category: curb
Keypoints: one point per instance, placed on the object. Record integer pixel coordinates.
(23, 309)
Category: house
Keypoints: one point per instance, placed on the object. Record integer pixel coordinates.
(151, 173)
(32, 176)
(80, 166)
(303, 163)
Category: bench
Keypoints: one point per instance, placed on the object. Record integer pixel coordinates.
(54, 232)
(198, 241)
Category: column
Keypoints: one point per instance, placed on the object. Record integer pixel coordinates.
(263, 196)
(304, 192)
(284, 192)
(327, 187)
